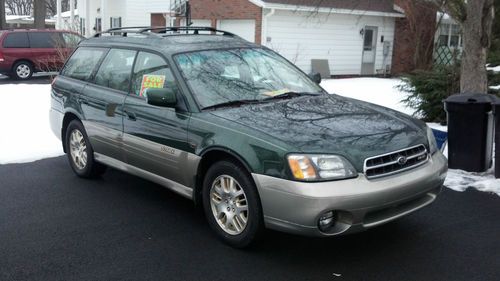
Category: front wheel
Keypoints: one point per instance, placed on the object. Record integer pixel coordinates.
(232, 205)
(80, 152)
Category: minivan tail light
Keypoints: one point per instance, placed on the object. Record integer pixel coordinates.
(1, 57)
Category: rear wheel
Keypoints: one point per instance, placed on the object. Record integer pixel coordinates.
(22, 70)
(232, 205)
(80, 153)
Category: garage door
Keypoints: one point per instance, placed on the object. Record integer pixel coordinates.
(203, 23)
(243, 28)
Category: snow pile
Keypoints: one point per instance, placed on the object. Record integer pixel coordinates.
(459, 180)
(379, 91)
(25, 133)
(494, 69)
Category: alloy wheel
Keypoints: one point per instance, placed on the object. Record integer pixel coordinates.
(229, 205)
(78, 149)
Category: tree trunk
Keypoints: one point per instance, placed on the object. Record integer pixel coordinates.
(39, 11)
(476, 28)
(3, 24)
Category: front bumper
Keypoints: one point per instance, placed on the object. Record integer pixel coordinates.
(359, 203)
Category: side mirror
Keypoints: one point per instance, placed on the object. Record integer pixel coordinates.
(316, 77)
(165, 97)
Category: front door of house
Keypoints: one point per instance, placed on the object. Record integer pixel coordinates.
(369, 50)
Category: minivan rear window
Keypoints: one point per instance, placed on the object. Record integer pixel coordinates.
(16, 40)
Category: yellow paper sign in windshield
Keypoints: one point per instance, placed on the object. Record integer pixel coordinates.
(151, 81)
(276, 93)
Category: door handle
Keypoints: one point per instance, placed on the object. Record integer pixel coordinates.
(130, 115)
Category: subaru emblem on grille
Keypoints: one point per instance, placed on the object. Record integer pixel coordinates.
(402, 160)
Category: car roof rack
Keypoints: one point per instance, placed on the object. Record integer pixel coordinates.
(159, 31)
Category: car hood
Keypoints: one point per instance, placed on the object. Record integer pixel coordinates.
(331, 124)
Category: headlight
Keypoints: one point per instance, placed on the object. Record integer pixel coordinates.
(320, 167)
(433, 147)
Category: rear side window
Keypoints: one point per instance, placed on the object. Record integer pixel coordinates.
(116, 69)
(45, 40)
(16, 40)
(82, 63)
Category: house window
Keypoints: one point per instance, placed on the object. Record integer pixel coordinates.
(115, 22)
(449, 36)
(98, 25)
(82, 26)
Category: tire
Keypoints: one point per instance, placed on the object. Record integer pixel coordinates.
(22, 70)
(80, 153)
(225, 207)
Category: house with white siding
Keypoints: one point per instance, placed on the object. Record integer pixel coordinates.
(99, 15)
(353, 42)
(346, 37)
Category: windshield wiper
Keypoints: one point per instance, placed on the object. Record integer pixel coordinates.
(289, 95)
(234, 103)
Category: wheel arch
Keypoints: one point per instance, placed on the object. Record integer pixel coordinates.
(210, 156)
(68, 117)
(26, 60)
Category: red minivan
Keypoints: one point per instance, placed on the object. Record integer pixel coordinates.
(26, 51)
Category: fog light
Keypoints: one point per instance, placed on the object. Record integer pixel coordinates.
(326, 221)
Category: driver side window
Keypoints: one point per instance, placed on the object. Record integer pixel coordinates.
(150, 71)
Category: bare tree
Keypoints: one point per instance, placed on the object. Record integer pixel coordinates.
(476, 19)
(19, 7)
(52, 6)
(40, 12)
(3, 24)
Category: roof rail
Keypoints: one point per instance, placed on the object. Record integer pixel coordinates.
(122, 30)
(196, 30)
(155, 31)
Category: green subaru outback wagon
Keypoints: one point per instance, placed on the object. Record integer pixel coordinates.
(242, 132)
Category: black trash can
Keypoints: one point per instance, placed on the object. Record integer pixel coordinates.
(496, 110)
(470, 131)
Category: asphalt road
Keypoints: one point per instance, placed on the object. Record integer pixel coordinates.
(55, 226)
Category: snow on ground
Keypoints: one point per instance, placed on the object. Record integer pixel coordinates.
(25, 133)
(459, 180)
(375, 90)
(494, 69)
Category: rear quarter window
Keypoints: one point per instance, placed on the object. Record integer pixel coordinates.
(45, 40)
(82, 63)
(16, 40)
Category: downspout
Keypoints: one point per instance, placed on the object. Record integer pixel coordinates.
(264, 26)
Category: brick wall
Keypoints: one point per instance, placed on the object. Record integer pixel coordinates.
(227, 9)
(414, 36)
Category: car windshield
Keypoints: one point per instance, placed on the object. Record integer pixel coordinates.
(251, 75)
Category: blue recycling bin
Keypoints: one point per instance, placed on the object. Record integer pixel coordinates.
(441, 137)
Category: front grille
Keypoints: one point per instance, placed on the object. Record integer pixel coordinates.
(395, 162)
